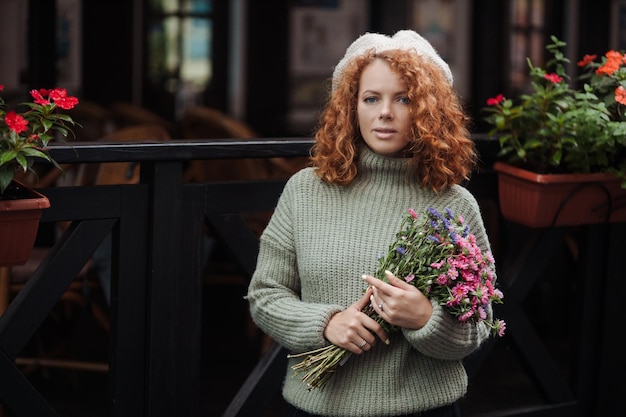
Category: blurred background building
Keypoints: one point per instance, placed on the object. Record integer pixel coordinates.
(268, 63)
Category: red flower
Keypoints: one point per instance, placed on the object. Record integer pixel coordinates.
(495, 100)
(16, 122)
(620, 94)
(587, 59)
(60, 97)
(553, 78)
(25, 136)
(38, 96)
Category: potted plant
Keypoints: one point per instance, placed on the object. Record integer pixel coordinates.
(24, 137)
(563, 149)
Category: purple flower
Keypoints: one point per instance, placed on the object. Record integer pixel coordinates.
(434, 213)
(434, 238)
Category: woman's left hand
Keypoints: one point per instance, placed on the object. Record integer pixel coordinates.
(399, 303)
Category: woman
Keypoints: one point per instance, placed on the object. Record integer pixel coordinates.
(393, 136)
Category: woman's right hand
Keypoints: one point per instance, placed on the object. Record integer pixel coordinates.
(354, 330)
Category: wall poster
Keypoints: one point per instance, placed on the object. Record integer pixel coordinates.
(446, 25)
(321, 30)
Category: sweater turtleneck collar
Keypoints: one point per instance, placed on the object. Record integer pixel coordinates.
(372, 164)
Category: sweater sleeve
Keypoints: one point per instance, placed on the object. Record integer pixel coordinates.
(274, 291)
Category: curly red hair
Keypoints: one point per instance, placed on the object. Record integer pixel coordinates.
(441, 150)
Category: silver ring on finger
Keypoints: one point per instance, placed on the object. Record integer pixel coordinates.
(380, 306)
(363, 343)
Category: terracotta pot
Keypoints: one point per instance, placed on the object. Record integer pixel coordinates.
(19, 222)
(539, 200)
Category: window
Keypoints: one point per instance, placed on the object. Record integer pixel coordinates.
(527, 39)
(179, 54)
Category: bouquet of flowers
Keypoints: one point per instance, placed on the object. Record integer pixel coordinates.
(438, 255)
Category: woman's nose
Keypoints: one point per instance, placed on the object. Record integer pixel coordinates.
(385, 112)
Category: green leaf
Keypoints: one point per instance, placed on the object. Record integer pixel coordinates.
(47, 124)
(6, 175)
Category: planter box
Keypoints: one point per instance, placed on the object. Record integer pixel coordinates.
(537, 200)
(19, 222)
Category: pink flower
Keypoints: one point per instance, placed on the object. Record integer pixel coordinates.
(501, 326)
(466, 316)
(459, 291)
(437, 265)
(490, 258)
(453, 273)
(442, 279)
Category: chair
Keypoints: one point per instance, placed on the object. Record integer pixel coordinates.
(94, 119)
(88, 282)
(126, 114)
(208, 123)
(125, 172)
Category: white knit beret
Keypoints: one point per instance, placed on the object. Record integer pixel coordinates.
(405, 39)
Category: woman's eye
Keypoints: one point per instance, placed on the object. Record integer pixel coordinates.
(404, 100)
(370, 99)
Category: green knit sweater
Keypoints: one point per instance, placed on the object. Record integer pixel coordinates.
(319, 242)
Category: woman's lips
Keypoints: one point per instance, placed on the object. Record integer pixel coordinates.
(384, 133)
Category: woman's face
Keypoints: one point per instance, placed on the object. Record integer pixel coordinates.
(383, 109)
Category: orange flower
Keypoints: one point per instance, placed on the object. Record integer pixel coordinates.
(620, 94)
(587, 59)
(612, 64)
